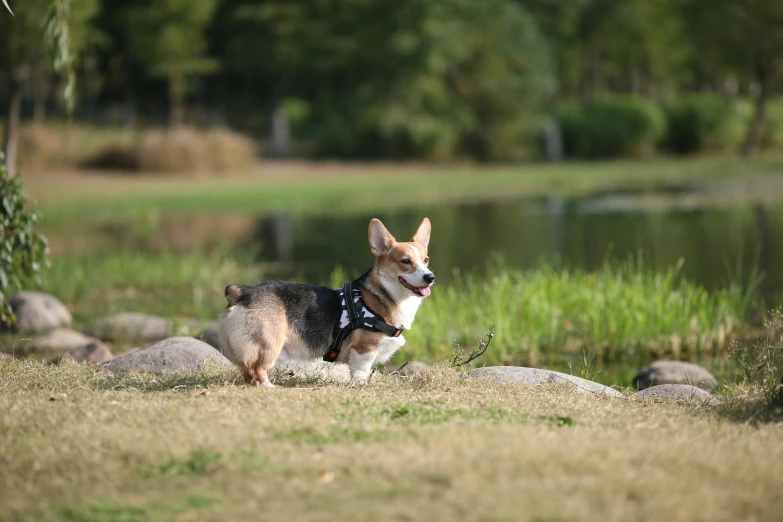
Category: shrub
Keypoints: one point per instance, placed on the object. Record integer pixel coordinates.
(22, 250)
(610, 127)
(706, 123)
(187, 150)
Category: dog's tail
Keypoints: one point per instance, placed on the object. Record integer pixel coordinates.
(233, 294)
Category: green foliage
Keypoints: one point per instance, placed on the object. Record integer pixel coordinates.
(611, 127)
(705, 122)
(168, 38)
(22, 250)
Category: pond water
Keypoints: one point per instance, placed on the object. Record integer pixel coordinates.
(716, 244)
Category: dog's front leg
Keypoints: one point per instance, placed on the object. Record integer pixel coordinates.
(360, 365)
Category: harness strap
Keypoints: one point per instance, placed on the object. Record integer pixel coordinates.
(349, 304)
(373, 322)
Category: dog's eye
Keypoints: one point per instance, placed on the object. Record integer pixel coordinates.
(426, 260)
(406, 261)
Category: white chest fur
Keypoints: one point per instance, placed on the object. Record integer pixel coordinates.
(386, 348)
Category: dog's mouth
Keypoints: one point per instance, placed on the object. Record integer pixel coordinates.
(422, 291)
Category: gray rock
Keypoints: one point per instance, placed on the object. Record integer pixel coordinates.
(411, 368)
(682, 393)
(93, 353)
(6, 357)
(60, 343)
(537, 376)
(58, 340)
(176, 354)
(133, 327)
(36, 311)
(211, 336)
(674, 372)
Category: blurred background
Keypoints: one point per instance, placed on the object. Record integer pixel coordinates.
(603, 176)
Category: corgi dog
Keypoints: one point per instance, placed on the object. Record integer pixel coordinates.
(361, 324)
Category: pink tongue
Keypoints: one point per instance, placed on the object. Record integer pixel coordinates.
(425, 290)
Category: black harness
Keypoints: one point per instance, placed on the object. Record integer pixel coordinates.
(355, 314)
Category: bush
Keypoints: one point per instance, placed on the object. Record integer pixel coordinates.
(706, 123)
(187, 150)
(22, 250)
(610, 127)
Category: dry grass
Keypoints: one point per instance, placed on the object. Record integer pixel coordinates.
(42, 147)
(80, 444)
(186, 150)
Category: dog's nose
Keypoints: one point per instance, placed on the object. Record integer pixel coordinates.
(429, 278)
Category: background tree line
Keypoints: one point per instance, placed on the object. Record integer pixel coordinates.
(418, 78)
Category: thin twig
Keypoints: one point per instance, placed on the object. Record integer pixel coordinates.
(475, 354)
(398, 370)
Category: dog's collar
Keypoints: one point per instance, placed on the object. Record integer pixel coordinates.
(355, 314)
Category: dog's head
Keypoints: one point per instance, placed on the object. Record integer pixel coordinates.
(402, 267)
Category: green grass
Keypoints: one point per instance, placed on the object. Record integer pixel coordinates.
(78, 443)
(313, 188)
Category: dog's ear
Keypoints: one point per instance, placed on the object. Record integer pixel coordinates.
(423, 233)
(380, 238)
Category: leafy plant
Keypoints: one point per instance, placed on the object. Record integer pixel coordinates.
(22, 250)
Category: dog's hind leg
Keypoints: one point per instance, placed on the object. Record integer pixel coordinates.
(270, 338)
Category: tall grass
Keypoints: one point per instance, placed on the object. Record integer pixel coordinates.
(621, 310)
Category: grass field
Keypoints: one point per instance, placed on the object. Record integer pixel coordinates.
(80, 444)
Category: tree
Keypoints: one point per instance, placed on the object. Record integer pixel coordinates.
(743, 40)
(24, 51)
(168, 38)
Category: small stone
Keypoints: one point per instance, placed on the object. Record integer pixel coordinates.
(674, 372)
(37, 311)
(538, 376)
(682, 393)
(93, 353)
(63, 345)
(131, 327)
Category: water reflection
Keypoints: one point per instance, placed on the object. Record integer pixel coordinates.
(717, 244)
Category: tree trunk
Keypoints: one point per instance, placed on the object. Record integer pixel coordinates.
(12, 128)
(39, 97)
(279, 129)
(756, 132)
(176, 100)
